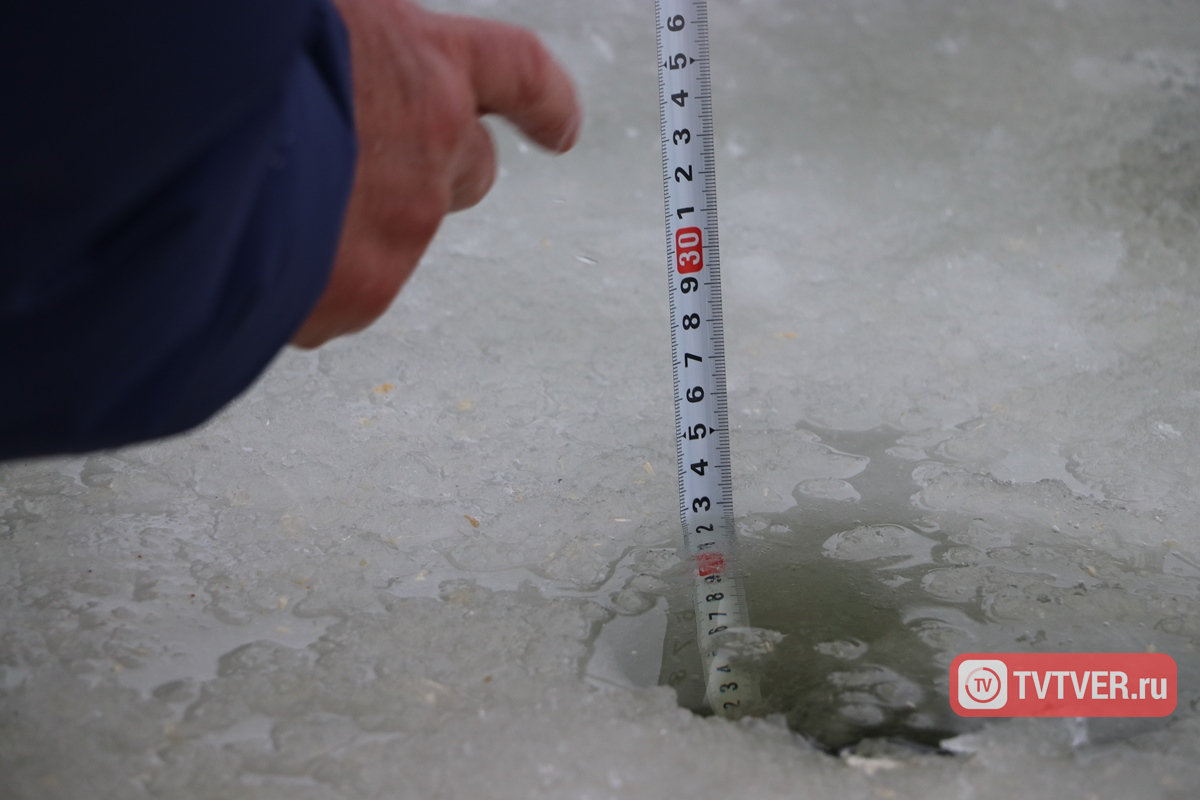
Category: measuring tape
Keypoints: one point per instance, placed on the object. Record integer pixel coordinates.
(698, 348)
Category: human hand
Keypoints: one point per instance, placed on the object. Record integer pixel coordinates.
(422, 81)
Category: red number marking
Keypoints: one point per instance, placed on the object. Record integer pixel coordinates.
(710, 564)
(689, 250)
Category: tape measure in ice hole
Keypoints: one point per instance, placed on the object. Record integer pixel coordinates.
(698, 348)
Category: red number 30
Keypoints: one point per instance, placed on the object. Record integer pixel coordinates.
(689, 250)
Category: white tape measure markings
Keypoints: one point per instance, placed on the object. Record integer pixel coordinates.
(697, 344)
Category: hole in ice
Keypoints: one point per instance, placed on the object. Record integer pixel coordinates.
(874, 598)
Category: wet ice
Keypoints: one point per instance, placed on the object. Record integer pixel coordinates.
(970, 225)
(956, 563)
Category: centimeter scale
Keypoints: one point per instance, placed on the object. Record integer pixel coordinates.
(698, 348)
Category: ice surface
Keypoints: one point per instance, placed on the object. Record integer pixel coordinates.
(961, 262)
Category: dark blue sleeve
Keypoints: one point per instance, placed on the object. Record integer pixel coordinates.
(173, 177)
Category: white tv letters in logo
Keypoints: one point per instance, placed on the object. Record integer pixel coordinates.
(982, 683)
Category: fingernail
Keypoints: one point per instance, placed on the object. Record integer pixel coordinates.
(568, 139)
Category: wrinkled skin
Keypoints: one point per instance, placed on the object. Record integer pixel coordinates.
(422, 82)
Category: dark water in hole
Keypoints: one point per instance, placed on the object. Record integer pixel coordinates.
(850, 665)
(875, 597)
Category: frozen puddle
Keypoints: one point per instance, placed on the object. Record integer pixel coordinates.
(876, 597)
(436, 560)
(168, 664)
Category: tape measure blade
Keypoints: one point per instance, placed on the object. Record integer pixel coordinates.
(697, 340)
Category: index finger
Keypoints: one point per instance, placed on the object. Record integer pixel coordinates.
(514, 75)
